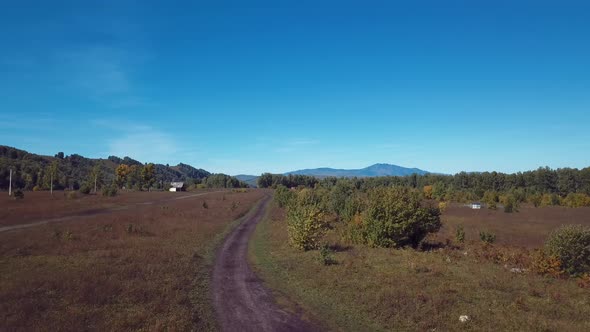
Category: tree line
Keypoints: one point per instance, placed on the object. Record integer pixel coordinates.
(544, 186)
(75, 172)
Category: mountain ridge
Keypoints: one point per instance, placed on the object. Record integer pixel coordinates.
(379, 169)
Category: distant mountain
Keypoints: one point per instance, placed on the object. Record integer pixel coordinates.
(371, 171)
(249, 179)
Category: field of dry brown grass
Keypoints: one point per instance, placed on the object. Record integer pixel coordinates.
(380, 289)
(527, 228)
(145, 267)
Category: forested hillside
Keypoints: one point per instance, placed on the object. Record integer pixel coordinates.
(32, 171)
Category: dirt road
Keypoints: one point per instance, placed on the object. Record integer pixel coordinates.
(241, 300)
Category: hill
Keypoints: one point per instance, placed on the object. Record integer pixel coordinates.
(371, 171)
(31, 170)
(249, 179)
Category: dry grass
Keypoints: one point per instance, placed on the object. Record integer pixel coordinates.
(385, 289)
(527, 228)
(143, 268)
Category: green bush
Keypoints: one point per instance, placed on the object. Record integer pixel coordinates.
(460, 234)
(72, 195)
(18, 194)
(395, 217)
(85, 189)
(306, 221)
(109, 191)
(283, 195)
(571, 245)
(327, 255)
(487, 237)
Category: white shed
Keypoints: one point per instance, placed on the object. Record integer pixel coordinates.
(476, 206)
(177, 186)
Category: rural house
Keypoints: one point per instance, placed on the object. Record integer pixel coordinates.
(177, 186)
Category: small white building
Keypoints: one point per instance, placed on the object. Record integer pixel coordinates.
(476, 206)
(177, 186)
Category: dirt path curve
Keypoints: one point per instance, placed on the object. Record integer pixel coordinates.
(241, 300)
(96, 212)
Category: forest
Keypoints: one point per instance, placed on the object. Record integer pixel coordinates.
(35, 172)
(544, 186)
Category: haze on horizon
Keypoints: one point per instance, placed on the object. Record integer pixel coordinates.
(268, 87)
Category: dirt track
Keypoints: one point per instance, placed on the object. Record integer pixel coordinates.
(94, 212)
(241, 300)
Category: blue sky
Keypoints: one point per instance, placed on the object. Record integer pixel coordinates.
(249, 87)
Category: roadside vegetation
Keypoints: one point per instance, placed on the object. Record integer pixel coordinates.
(390, 258)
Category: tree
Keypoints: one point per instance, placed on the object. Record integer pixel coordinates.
(96, 176)
(148, 175)
(395, 217)
(52, 171)
(122, 172)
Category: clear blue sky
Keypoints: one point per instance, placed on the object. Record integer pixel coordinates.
(444, 86)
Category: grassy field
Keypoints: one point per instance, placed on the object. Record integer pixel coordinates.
(143, 268)
(370, 289)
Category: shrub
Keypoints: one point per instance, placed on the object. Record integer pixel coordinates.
(18, 194)
(109, 191)
(205, 205)
(395, 217)
(549, 199)
(576, 200)
(327, 255)
(571, 245)
(510, 203)
(72, 195)
(37, 188)
(487, 237)
(546, 264)
(283, 195)
(305, 221)
(85, 189)
(442, 206)
(460, 234)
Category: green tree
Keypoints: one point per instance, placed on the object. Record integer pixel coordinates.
(395, 217)
(148, 175)
(96, 177)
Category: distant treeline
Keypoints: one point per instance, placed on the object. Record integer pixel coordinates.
(35, 172)
(538, 186)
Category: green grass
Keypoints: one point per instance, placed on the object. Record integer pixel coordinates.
(386, 289)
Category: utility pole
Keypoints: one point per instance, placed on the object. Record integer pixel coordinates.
(10, 184)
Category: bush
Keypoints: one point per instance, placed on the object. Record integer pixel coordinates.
(37, 188)
(460, 234)
(305, 220)
(576, 200)
(395, 217)
(487, 237)
(109, 191)
(72, 195)
(327, 255)
(205, 205)
(546, 265)
(85, 189)
(283, 195)
(571, 245)
(18, 194)
(442, 206)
